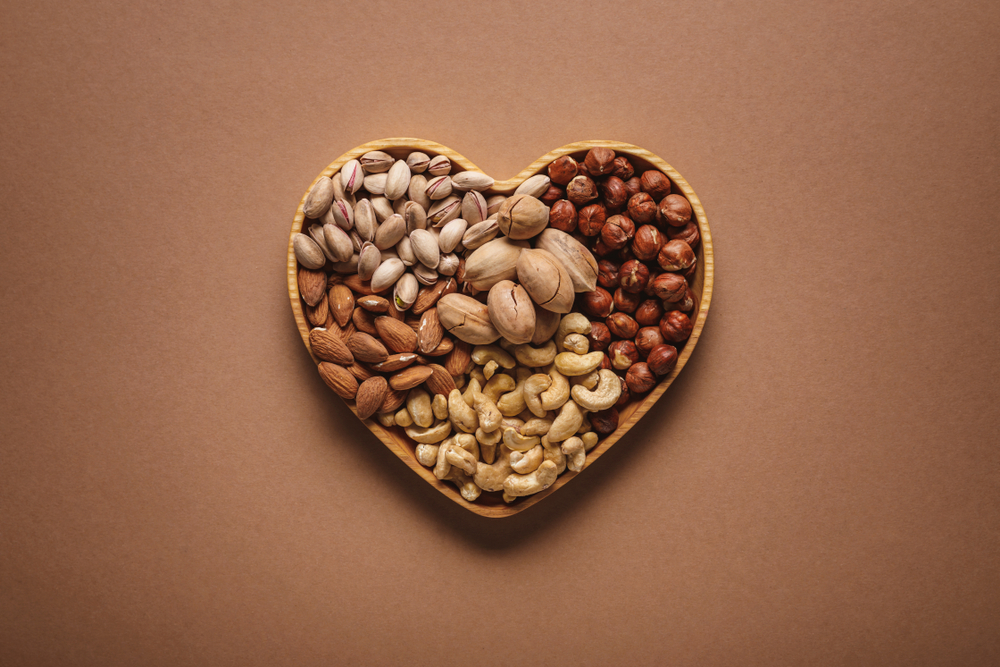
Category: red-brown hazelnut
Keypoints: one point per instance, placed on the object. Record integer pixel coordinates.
(605, 422)
(690, 272)
(669, 287)
(642, 208)
(647, 242)
(662, 359)
(640, 378)
(599, 160)
(649, 312)
(598, 303)
(599, 336)
(675, 327)
(623, 354)
(656, 184)
(581, 168)
(562, 216)
(622, 325)
(626, 301)
(646, 339)
(591, 219)
(581, 190)
(626, 394)
(615, 194)
(562, 170)
(675, 210)
(607, 274)
(687, 303)
(633, 276)
(675, 256)
(622, 168)
(617, 231)
(605, 362)
(688, 233)
(633, 186)
(601, 249)
(552, 195)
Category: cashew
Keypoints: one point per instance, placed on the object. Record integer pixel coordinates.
(518, 442)
(525, 485)
(533, 387)
(507, 498)
(481, 354)
(490, 368)
(576, 343)
(535, 357)
(572, 364)
(462, 416)
(512, 403)
(498, 384)
(469, 396)
(566, 423)
(460, 381)
(441, 466)
(404, 419)
(477, 374)
(460, 458)
(571, 323)
(427, 454)
(574, 451)
(468, 442)
(489, 415)
(386, 419)
(525, 462)
(554, 453)
(585, 425)
(418, 404)
(511, 422)
(557, 394)
(430, 435)
(589, 381)
(535, 426)
(506, 345)
(490, 477)
(607, 393)
(490, 438)
(466, 486)
(589, 440)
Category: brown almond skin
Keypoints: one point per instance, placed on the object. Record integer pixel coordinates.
(430, 332)
(459, 359)
(408, 378)
(317, 314)
(370, 396)
(339, 379)
(440, 380)
(328, 346)
(360, 371)
(374, 304)
(367, 348)
(364, 321)
(428, 296)
(396, 336)
(396, 362)
(312, 284)
(393, 400)
(341, 300)
(444, 347)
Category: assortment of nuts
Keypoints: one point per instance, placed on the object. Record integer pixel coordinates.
(500, 334)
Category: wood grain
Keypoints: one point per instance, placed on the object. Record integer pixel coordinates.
(491, 505)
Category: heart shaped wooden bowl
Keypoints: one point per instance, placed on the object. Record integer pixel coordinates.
(491, 504)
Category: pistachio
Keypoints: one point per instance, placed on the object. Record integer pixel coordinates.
(494, 203)
(369, 260)
(438, 187)
(480, 233)
(343, 215)
(425, 248)
(390, 232)
(375, 183)
(449, 264)
(316, 233)
(387, 273)
(511, 311)
(320, 196)
(406, 291)
(417, 162)
(444, 211)
(439, 166)
(397, 181)
(352, 176)
(308, 252)
(522, 217)
(364, 220)
(471, 180)
(348, 267)
(356, 240)
(546, 280)
(424, 274)
(473, 207)
(339, 194)
(399, 205)
(534, 186)
(338, 242)
(492, 262)
(382, 207)
(417, 191)
(466, 319)
(405, 251)
(451, 235)
(375, 162)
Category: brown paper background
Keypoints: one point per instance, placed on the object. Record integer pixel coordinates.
(820, 486)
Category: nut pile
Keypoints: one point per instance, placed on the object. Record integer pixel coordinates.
(500, 334)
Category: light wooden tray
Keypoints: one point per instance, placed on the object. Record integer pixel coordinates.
(491, 504)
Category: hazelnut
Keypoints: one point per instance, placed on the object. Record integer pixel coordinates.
(633, 276)
(626, 302)
(599, 160)
(690, 272)
(662, 359)
(623, 325)
(675, 326)
(617, 231)
(552, 195)
(649, 312)
(562, 170)
(633, 186)
(640, 378)
(562, 216)
(623, 354)
(675, 210)
(656, 184)
(669, 287)
(686, 303)
(601, 248)
(607, 274)
(646, 339)
(605, 422)
(592, 218)
(598, 303)
(675, 256)
(615, 194)
(647, 242)
(599, 336)
(688, 233)
(581, 190)
(622, 168)
(605, 362)
(581, 169)
(641, 208)
(626, 394)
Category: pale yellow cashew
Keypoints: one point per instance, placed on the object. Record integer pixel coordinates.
(469, 396)
(490, 477)
(566, 423)
(441, 466)
(576, 343)
(535, 426)
(584, 425)
(483, 354)
(461, 414)
(498, 384)
(511, 422)
(490, 368)
(489, 415)
(557, 394)
(554, 453)
(404, 419)
(525, 485)
(477, 374)
(589, 381)
(532, 391)
(589, 440)
(572, 364)
(525, 462)
(489, 438)
(506, 345)
(507, 498)
(512, 403)
(535, 357)
(439, 405)
(466, 487)
(427, 454)
(460, 458)
(575, 453)
(386, 419)
(518, 442)
(607, 393)
(430, 435)
(571, 323)
(418, 404)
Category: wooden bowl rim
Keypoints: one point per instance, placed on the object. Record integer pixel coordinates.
(506, 187)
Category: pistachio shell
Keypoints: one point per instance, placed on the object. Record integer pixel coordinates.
(511, 311)
(382, 207)
(375, 162)
(338, 242)
(405, 251)
(480, 233)
(406, 291)
(425, 275)
(473, 207)
(364, 220)
(397, 181)
(375, 183)
(352, 176)
(439, 166)
(425, 247)
(444, 211)
(417, 162)
(387, 273)
(415, 216)
(417, 191)
(342, 215)
(534, 186)
(390, 232)
(308, 252)
(471, 180)
(318, 200)
(438, 187)
(451, 235)
(368, 261)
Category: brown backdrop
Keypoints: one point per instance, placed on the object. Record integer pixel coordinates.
(819, 487)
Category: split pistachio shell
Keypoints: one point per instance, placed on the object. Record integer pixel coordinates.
(480, 233)
(343, 215)
(438, 187)
(364, 220)
(439, 166)
(387, 273)
(417, 162)
(352, 176)
(425, 247)
(473, 207)
(308, 252)
(444, 211)
(406, 291)
(375, 162)
(390, 232)
(368, 261)
(425, 275)
(319, 198)
(398, 180)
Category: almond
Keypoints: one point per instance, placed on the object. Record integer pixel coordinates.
(339, 379)
(374, 304)
(444, 347)
(312, 285)
(317, 314)
(328, 346)
(396, 362)
(430, 332)
(428, 296)
(439, 381)
(408, 378)
(364, 321)
(341, 301)
(393, 400)
(360, 371)
(359, 286)
(394, 312)
(370, 396)
(459, 359)
(366, 348)
(396, 335)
